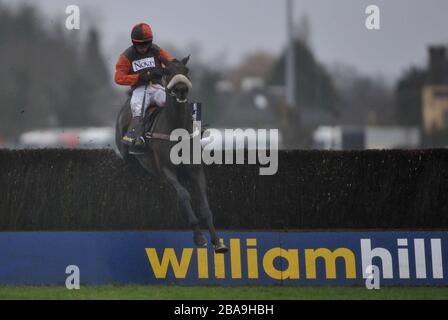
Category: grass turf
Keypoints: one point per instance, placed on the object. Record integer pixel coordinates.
(136, 292)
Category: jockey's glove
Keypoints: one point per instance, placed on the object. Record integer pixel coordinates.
(144, 77)
(155, 74)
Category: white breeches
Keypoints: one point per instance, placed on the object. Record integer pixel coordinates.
(155, 95)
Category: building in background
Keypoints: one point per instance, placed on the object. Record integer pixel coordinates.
(435, 92)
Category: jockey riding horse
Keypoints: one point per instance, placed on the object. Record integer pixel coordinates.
(141, 67)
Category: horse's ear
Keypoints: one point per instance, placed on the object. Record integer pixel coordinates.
(185, 60)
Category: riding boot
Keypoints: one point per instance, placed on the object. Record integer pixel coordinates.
(133, 137)
(139, 146)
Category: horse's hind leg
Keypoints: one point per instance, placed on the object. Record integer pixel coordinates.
(200, 185)
(184, 199)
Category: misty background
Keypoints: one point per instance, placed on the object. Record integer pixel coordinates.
(351, 83)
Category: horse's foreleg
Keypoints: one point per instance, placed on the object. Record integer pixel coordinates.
(184, 200)
(200, 186)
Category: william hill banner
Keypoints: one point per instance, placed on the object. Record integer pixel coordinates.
(257, 258)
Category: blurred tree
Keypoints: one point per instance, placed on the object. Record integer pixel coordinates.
(206, 93)
(363, 100)
(93, 60)
(46, 80)
(408, 95)
(204, 77)
(75, 109)
(314, 85)
(302, 30)
(99, 93)
(20, 80)
(257, 64)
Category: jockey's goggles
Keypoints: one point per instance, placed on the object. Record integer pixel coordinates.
(146, 44)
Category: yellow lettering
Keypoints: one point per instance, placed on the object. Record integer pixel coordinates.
(330, 262)
(169, 258)
(252, 259)
(220, 271)
(291, 255)
(202, 263)
(235, 258)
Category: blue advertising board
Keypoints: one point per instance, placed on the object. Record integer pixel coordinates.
(256, 258)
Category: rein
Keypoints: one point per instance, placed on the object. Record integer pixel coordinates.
(163, 136)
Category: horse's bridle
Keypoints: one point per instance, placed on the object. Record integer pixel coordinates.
(178, 78)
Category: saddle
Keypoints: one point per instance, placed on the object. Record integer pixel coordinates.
(152, 113)
(149, 120)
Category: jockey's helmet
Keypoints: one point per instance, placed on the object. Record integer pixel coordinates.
(141, 33)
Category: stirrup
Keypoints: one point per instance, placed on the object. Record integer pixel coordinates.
(138, 149)
(127, 140)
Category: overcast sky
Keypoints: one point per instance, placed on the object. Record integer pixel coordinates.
(228, 30)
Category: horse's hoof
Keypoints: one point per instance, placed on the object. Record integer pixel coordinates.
(200, 240)
(221, 248)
